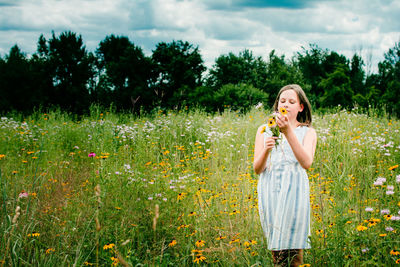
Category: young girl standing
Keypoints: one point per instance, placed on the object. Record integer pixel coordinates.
(283, 188)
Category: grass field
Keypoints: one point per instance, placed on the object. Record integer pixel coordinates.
(178, 189)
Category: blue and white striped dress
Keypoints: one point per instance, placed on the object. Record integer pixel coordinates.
(284, 197)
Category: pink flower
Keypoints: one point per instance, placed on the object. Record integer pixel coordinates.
(385, 211)
(92, 155)
(23, 194)
(369, 209)
(389, 192)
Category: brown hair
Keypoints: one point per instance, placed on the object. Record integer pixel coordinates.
(304, 117)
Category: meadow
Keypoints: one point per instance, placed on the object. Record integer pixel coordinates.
(177, 189)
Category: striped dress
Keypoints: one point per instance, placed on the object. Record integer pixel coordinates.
(284, 198)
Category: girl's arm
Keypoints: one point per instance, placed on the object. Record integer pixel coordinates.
(262, 151)
(304, 153)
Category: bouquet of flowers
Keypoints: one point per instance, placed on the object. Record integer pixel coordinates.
(273, 126)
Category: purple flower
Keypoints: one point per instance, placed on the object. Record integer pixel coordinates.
(398, 178)
(380, 181)
(390, 187)
(92, 155)
(369, 209)
(389, 192)
(389, 229)
(23, 194)
(385, 211)
(395, 218)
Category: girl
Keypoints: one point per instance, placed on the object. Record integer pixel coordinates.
(283, 189)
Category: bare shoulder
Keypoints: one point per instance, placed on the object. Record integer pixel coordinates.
(311, 134)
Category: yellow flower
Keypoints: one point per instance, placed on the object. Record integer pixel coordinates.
(398, 261)
(192, 213)
(221, 237)
(199, 258)
(361, 228)
(49, 250)
(108, 246)
(2, 156)
(200, 243)
(115, 261)
(263, 129)
(305, 265)
(271, 122)
(172, 243)
(283, 111)
(34, 234)
(181, 195)
(393, 167)
(394, 252)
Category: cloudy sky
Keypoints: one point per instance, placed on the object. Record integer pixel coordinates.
(368, 27)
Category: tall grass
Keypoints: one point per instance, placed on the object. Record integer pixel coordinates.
(177, 188)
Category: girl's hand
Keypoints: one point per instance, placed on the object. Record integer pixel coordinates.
(270, 143)
(283, 123)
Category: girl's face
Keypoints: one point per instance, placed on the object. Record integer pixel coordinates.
(290, 101)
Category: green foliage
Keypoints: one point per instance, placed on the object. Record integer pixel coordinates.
(197, 168)
(178, 69)
(63, 73)
(239, 97)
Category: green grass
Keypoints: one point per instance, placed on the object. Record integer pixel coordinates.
(172, 180)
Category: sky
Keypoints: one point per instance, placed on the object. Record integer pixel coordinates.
(217, 27)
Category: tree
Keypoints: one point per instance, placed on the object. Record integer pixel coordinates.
(280, 73)
(232, 69)
(72, 67)
(178, 70)
(337, 87)
(389, 71)
(125, 73)
(15, 82)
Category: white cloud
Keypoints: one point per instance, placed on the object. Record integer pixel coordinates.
(217, 27)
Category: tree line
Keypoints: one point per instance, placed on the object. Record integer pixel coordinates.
(63, 73)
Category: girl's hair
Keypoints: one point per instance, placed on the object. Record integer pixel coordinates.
(304, 117)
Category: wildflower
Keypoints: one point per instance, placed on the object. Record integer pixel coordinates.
(221, 237)
(192, 213)
(263, 129)
(361, 228)
(108, 246)
(200, 243)
(393, 167)
(364, 250)
(92, 155)
(2, 156)
(389, 192)
(23, 194)
(283, 111)
(199, 258)
(385, 211)
(34, 234)
(394, 252)
(398, 178)
(271, 122)
(379, 181)
(389, 229)
(259, 105)
(305, 265)
(115, 261)
(369, 209)
(398, 261)
(172, 243)
(49, 250)
(181, 195)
